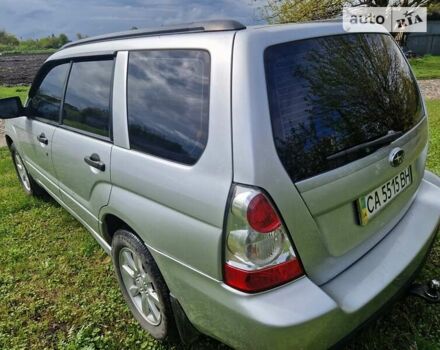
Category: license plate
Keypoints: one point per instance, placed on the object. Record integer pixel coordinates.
(373, 202)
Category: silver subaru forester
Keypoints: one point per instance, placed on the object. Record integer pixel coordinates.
(265, 186)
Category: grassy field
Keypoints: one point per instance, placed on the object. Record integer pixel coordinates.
(426, 67)
(11, 91)
(58, 290)
(11, 51)
(57, 287)
(434, 135)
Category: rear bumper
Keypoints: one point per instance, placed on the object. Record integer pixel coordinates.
(301, 314)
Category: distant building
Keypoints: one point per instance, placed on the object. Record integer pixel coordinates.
(425, 43)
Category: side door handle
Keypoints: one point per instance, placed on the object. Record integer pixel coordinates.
(95, 161)
(43, 139)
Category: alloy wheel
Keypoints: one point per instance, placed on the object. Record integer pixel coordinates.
(22, 173)
(140, 286)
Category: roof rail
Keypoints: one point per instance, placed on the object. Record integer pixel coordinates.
(194, 27)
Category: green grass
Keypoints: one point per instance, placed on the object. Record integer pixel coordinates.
(15, 51)
(426, 67)
(434, 136)
(11, 91)
(411, 323)
(58, 289)
(57, 286)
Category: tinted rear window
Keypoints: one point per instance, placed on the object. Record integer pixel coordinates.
(329, 94)
(168, 103)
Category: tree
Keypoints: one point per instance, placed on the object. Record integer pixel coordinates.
(288, 11)
(80, 36)
(63, 39)
(434, 10)
(8, 39)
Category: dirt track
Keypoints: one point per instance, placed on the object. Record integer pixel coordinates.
(20, 69)
(430, 88)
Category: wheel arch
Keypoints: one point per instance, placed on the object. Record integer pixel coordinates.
(9, 141)
(110, 223)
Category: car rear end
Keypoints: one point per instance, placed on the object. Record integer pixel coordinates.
(331, 211)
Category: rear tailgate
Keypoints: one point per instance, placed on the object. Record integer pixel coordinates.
(328, 101)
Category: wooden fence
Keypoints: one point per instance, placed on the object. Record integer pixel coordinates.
(425, 43)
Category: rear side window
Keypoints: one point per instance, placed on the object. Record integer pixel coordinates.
(330, 94)
(168, 103)
(47, 100)
(87, 103)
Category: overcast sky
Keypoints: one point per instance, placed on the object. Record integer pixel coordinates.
(36, 18)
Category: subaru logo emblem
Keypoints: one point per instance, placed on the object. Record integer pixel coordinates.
(397, 156)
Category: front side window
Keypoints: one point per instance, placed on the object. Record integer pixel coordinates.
(168, 103)
(46, 101)
(331, 94)
(87, 102)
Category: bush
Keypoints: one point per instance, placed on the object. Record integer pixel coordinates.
(9, 43)
(8, 39)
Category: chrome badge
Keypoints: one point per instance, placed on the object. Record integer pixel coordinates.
(396, 157)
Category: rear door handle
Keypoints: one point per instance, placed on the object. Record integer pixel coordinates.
(43, 139)
(95, 161)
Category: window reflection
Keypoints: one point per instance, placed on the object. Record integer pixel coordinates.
(47, 100)
(87, 103)
(168, 102)
(332, 93)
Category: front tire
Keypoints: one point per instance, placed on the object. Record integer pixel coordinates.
(28, 183)
(142, 285)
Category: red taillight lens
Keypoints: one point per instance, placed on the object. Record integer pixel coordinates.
(261, 216)
(258, 252)
(259, 280)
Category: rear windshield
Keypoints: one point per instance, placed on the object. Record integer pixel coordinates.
(330, 94)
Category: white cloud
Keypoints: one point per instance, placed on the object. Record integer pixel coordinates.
(36, 18)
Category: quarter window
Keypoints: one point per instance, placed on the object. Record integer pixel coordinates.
(87, 103)
(168, 103)
(47, 100)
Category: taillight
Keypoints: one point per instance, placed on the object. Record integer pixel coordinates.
(261, 216)
(259, 254)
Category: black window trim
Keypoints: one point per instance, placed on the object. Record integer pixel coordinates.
(209, 102)
(48, 66)
(60, 113)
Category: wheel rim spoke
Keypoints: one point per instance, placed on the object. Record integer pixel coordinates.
(128, 271)
(155, 311)
(129, 261)
(154, 297)
(139, 266)
(134, 290)
(147, 279)
(22, 172)
(145, 304)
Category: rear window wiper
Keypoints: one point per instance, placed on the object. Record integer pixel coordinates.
(381, 141)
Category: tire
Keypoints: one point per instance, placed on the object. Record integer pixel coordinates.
(143, 286)
(30, 186)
